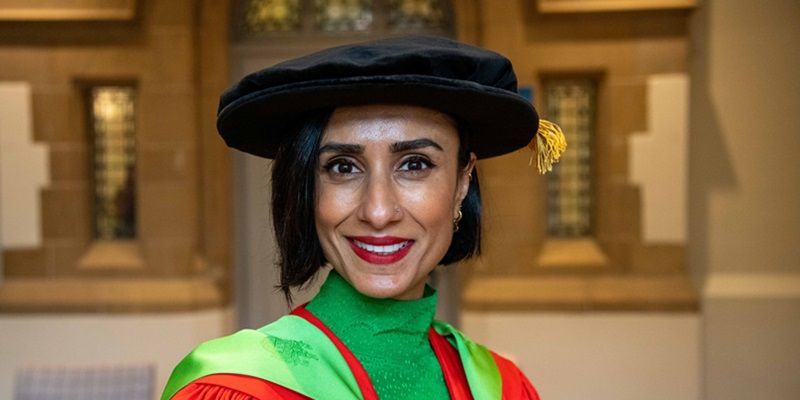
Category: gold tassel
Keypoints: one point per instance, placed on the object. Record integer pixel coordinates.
(548, 145)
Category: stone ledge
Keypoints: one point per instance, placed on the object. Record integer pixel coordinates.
(108, 294)
(752, 285)
(572, 255)
(670, 292)
(116, 10)
(112, 255)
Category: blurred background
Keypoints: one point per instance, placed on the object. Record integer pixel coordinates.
(660, 260)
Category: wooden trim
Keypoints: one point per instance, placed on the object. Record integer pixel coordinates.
(40, 10)
(577, 6)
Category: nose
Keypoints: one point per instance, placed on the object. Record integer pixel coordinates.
(379, 202)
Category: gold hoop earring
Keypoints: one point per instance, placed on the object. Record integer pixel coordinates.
(457, 219)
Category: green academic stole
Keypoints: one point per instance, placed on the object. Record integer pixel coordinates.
(297, 355)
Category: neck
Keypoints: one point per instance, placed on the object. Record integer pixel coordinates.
(389, 337)
(339, 305)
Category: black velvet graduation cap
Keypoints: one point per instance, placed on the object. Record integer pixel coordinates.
(474, 85)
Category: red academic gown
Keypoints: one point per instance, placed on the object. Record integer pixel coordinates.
(241, 387)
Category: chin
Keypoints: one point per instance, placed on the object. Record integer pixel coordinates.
(382, 287)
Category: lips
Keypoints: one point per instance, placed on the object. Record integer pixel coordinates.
(380, 250)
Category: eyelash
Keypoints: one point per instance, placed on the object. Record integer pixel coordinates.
(333, 165)
(426, 164)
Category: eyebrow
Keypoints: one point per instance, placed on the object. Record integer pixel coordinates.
(397, 147)
(343, 148)
(413, 145)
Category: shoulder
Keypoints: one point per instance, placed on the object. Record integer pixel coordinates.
(289, 352)
(515, 384)
(494, 373)
(230, 386)
(232, 354)
(246, 353)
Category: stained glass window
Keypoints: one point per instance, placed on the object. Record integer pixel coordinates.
(343, 15)
(114, 161)
(272, 15)
(571, 103)
(410, 14)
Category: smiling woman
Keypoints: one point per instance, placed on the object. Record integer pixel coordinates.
(375, 147)
(389, 186)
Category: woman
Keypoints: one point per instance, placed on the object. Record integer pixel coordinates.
(374, 176)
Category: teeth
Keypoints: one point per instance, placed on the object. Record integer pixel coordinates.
(381, 250)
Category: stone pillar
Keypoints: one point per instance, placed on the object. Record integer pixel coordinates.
(744, 220)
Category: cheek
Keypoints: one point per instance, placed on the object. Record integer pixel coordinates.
(331, 206)
(329, 212)
(432, 205)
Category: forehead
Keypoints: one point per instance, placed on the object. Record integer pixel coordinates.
(387, 122)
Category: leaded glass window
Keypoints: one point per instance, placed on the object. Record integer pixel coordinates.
(272, 15)
(343, 15)
(407, 14)
(257, 19)
(571, 103)
(112, 122)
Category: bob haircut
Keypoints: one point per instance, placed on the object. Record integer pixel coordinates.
(293, 191)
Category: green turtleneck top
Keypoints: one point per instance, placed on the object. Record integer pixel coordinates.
(389, 337)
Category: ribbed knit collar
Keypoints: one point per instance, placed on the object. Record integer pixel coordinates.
(342, 308)
(389, 337)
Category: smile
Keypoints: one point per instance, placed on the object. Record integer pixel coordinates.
(380, 250)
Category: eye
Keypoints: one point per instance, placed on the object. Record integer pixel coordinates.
(341, 166)
(416, 164)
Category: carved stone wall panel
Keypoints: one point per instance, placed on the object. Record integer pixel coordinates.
(174, 54)
(613, 269)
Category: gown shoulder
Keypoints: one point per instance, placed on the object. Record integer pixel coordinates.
(235, 387)
(515, 384)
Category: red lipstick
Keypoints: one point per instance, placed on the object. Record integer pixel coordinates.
(380, 250)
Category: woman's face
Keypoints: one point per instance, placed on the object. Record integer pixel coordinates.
(387, 189)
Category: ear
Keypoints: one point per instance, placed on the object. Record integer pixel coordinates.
(464, 178)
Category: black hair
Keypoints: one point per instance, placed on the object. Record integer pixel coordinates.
(293, 191)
